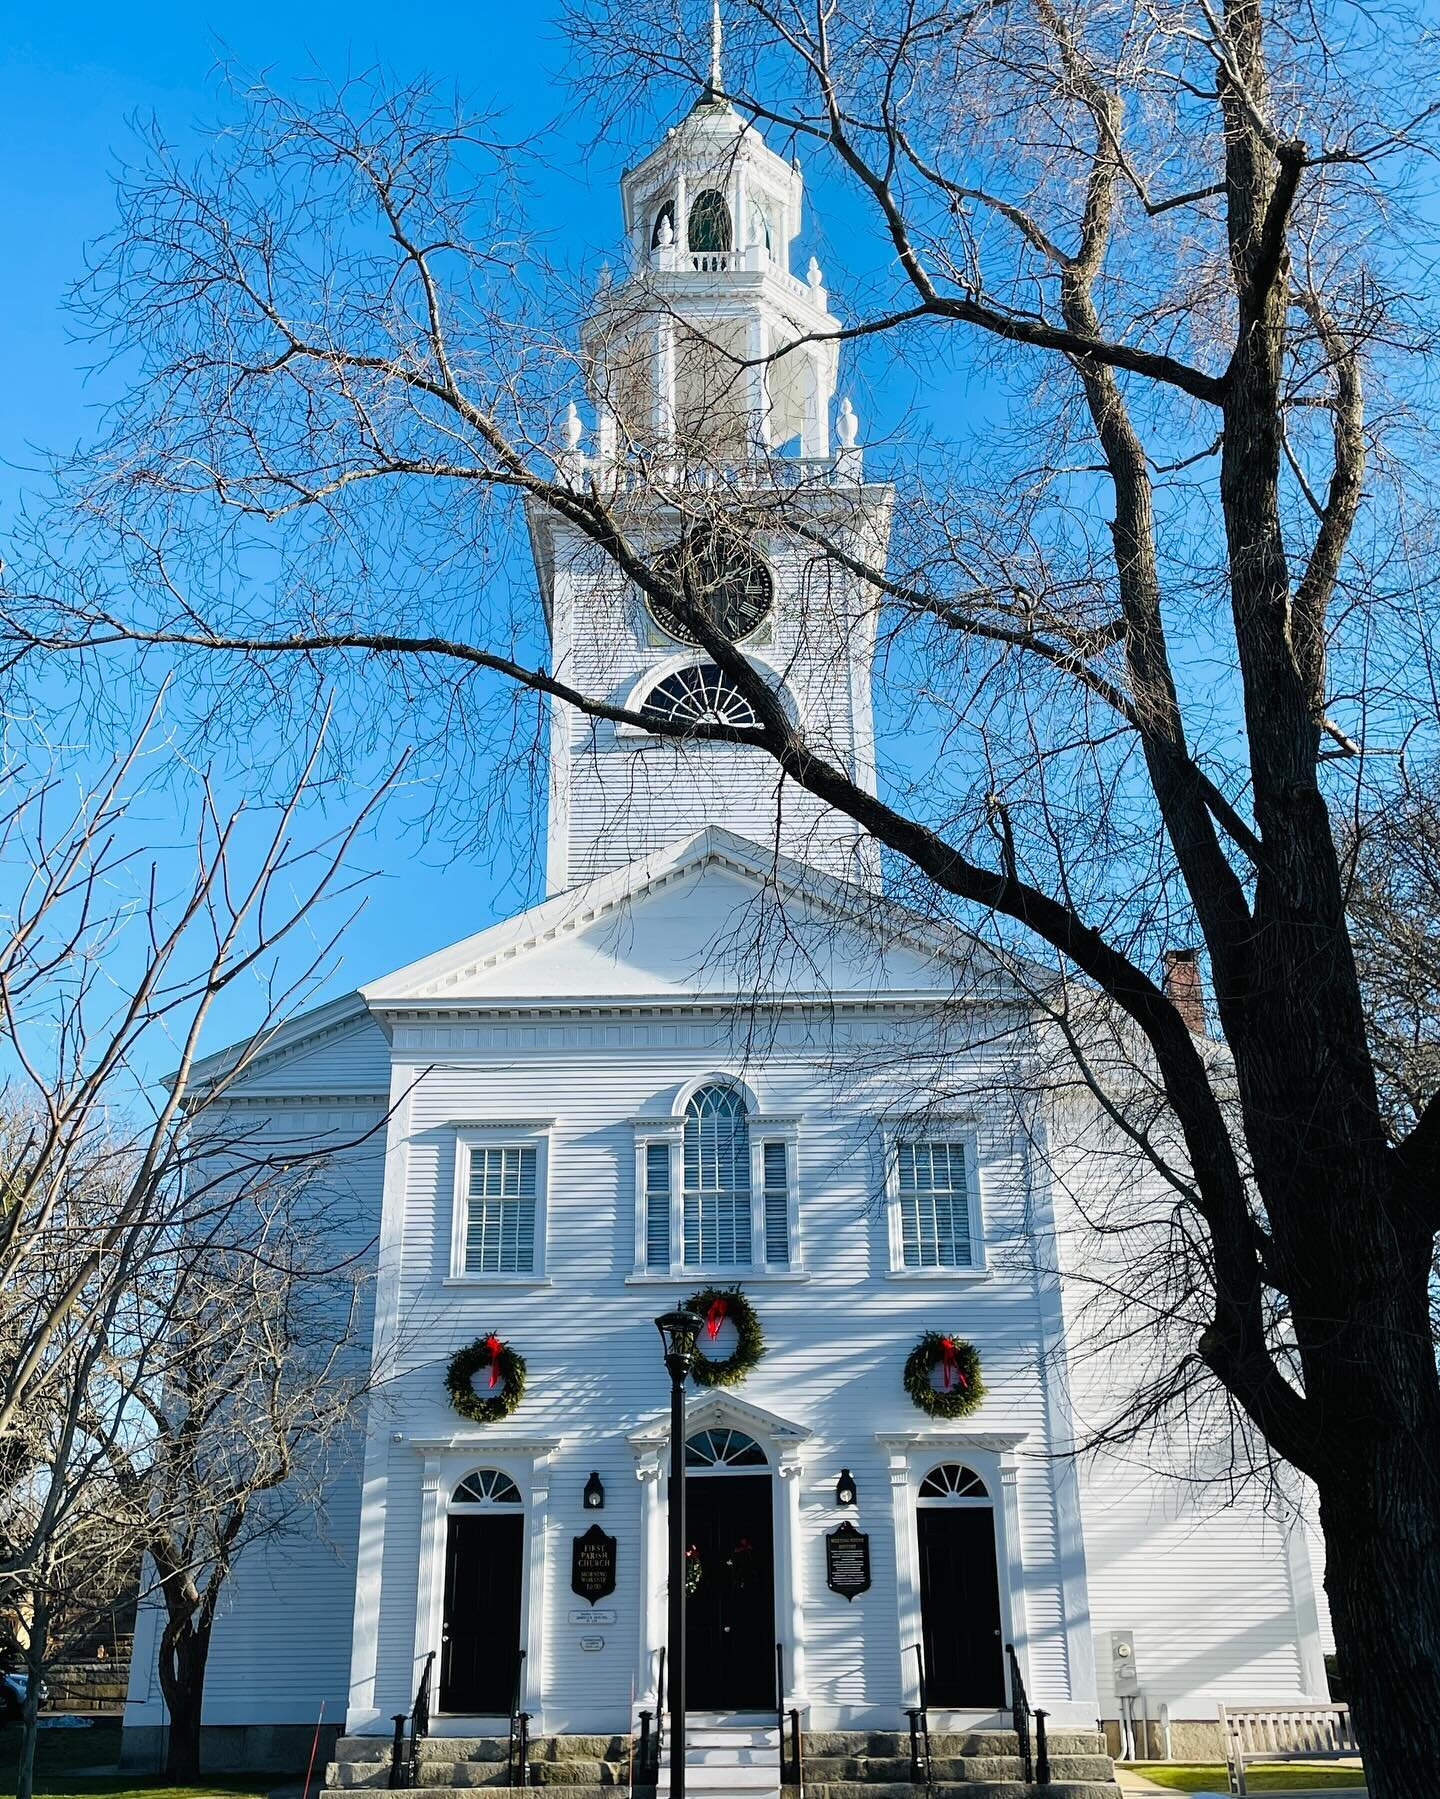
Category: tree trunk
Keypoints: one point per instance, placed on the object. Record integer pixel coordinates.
(184, 1651)
(36, 1654)
(1382, 1575)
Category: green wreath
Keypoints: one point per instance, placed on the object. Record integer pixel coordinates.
(966, 1388)
(507, 1372)
(718, 1304)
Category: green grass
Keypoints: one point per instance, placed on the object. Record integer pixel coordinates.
(1260, 1777)
(59, 1753)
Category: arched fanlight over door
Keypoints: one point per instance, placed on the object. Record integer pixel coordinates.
(718, 1449)
(952, 1481)
(486, 1486)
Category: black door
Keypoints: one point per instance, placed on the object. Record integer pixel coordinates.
(480, 1647)
(960, 1605)
(730, 1613)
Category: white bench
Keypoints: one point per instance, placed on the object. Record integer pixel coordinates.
(1301, 1733)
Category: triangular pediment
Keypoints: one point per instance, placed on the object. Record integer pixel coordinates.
(719, 1410)
(714, 917)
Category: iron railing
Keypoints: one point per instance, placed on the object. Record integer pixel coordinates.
(796, 1766)
(517, 1754)
(405, 1764)
(1020, 1715)
(919, 1715)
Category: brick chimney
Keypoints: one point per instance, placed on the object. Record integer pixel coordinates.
(1182, 987)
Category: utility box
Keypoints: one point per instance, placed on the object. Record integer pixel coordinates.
(1123, 1672)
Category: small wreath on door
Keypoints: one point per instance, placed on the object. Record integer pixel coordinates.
(719, 1306)
(960, 1387)
(499, 1393)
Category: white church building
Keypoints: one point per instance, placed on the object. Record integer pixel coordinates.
(715, 1058)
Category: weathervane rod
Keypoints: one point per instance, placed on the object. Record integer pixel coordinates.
(716, 83)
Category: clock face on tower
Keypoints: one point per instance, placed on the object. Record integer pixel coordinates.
(726, 578)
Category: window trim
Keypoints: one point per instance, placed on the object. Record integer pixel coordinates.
(963, 1132)
(670, 1130)
(502, 1134)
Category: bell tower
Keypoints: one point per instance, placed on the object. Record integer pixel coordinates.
(711, 371)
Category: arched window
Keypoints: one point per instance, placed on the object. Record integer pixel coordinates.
(717, 1178)
(710, 228)
(665, 216)
(700, 694)
(486, 1486)
(723, 1449)
(951, 1481)
(708, 1194)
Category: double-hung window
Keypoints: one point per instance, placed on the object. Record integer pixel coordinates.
(934, 1205)
(499, 1224)
(715, 1188)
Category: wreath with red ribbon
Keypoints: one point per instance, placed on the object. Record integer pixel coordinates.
(717, 1306)
(960, 1390)
(498, 1393)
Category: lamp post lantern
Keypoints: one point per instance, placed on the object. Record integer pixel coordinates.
(678, 1333)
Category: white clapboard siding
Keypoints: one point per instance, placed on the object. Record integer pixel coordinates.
(1204, 1571)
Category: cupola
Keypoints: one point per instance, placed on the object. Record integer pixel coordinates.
(677, 350)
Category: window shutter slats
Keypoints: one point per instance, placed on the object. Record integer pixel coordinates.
(657, 1205)
(777, 1206)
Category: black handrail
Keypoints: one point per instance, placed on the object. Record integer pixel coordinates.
(517, 1754)
(780, 1706)
(1042, 1752)
(405, 1767)
(420, 1721)
(1020, 1715)
(797, 1752)
(919, 1715)
(660, 1713)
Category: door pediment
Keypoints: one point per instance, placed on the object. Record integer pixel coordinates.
(717, 1410)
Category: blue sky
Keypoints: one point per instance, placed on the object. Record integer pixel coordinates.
(71, 80)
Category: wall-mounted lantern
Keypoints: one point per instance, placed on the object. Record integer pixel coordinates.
(594, 1493)
(845, 1488)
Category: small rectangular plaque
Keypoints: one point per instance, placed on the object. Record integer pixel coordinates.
(601, 1615)
(591, 1644)
(847, 1560)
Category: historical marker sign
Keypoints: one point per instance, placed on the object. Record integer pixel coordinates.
(592, 1565)
(847, 1560)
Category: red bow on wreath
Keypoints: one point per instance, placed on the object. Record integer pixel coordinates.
(495, 1346)
(714, 1318)
(949, 1365)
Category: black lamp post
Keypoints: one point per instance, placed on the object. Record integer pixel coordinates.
(678, 1333)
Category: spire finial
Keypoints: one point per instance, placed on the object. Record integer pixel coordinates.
(716, 82)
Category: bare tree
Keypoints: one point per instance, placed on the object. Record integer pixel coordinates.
(253, 1391)
(131, 1202)
(1160, 623)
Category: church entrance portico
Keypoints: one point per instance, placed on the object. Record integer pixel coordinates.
(746, 1595)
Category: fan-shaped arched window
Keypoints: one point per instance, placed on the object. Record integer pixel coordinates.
(952, 1481)
(710, 227)
(486, 1486)
(723, 1449)
(717, 1178)
(699, 695)
(665, 217)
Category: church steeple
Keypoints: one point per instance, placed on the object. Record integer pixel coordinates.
(711, 369)
(688, 353)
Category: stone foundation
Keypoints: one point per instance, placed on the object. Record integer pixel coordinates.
(1191, 1739)
(233, 1748)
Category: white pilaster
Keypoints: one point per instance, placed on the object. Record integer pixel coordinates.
(539, 1571)
(653, 1595)
(790, 1583)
